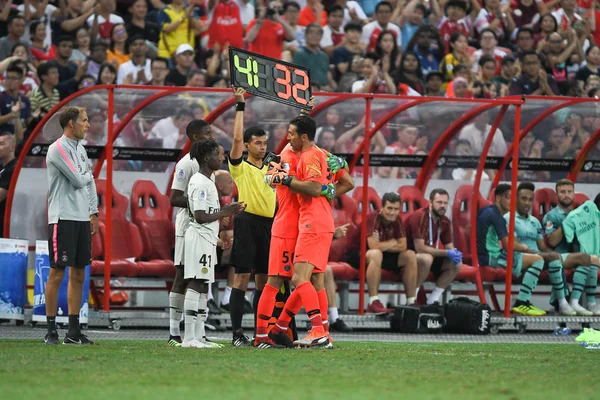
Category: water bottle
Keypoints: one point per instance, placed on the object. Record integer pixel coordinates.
(562, 330)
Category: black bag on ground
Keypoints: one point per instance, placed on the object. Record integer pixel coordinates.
(464, 315)
(411, 319)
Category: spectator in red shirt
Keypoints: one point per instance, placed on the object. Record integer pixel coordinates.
(267, 33)
(453, 22)
(488, 43)
(493, 16)
(39, 52)
(428, 233)
(225, 24)
(313, 13)
(383, 14)
(333, 34)
(386, 249)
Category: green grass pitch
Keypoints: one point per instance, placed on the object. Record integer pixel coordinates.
(150, 370)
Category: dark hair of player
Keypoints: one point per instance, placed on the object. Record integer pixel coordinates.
(196, 126)
(441, 192)
(305, 125)
(564, 182)
(501, 189)
(526, 186)
(202, 149)
(253, 131)
(390, 197)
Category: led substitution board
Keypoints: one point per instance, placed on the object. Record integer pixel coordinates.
(270, 78)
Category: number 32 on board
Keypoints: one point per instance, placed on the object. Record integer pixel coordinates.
(289, 89)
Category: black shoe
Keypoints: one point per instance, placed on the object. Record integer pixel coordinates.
(248, 307)
(266, 344)
(51, 337)
(78, 338)
(213, 308)
(239, 339)
(281, 339)
(340, 326)
(224, 307)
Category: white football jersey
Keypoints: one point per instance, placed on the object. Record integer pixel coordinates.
(203, 196)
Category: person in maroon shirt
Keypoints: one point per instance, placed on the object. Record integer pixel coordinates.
(426, 229)
(387, 249)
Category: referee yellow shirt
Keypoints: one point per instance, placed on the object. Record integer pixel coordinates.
(252, 189)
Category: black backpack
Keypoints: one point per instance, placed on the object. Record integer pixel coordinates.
(464, 315)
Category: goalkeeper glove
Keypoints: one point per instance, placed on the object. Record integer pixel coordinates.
(278, 178)
(335, 163)
(328, 191)
(271, 157)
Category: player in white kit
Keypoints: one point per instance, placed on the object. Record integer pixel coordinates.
(197, 130)
(202, 238)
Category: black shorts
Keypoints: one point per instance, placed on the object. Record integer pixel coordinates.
(436, 266)
(70, 244)
(390, 260)
(251, 242)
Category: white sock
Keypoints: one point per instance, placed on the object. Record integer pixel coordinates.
(574, 303)
(563, 302)
(417, 292)
(410, 300)
(226, 296)
(333, 315)
(210, 293)
(202, 315)
(372, 299)
(175, 311)
(435, 295)
(190, 307)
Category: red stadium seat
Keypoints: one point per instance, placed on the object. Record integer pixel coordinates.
(126, 240)
(411, 199)
(543, 201)
(149, 212)
(343, 271)
(580, 198)
(372, 197)
(344, 208)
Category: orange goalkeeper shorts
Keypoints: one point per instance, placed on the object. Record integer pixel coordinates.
(281, 256)
(313, 248)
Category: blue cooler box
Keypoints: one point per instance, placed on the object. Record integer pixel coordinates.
(42, 271)
(13, 278)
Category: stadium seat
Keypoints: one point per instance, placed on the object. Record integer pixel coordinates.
(543, 201)
(149, 212)
(580, 198)
(372, 197)
(344, 207)
(126, 240)
(411, 199)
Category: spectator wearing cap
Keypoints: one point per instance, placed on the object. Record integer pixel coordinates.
(488, 42)
(411, 20)
(159, 68)
(312, 57)
(138, 69)
(433, 84)
(507, 74)
(333, 36)
(533, 80)
(119, 47)
(179, 26)
(313, 13)
(45, 96)
(139, 25)
(429, 56)
(104, 19)
(267, 33)
(342, 57)
(7, 166)
(16, 30)
(453, 22)
(383, 14)
(184, 61)
(225, 24)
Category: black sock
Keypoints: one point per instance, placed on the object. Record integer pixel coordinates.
(51, 321)
(236, 308)
(255, 300)
(73, 324)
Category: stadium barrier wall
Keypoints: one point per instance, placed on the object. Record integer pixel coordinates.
(361, 155)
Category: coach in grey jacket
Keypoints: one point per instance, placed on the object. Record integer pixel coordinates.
(72, 219)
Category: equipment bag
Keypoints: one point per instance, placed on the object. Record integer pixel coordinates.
(414, 319)
(464, 315)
